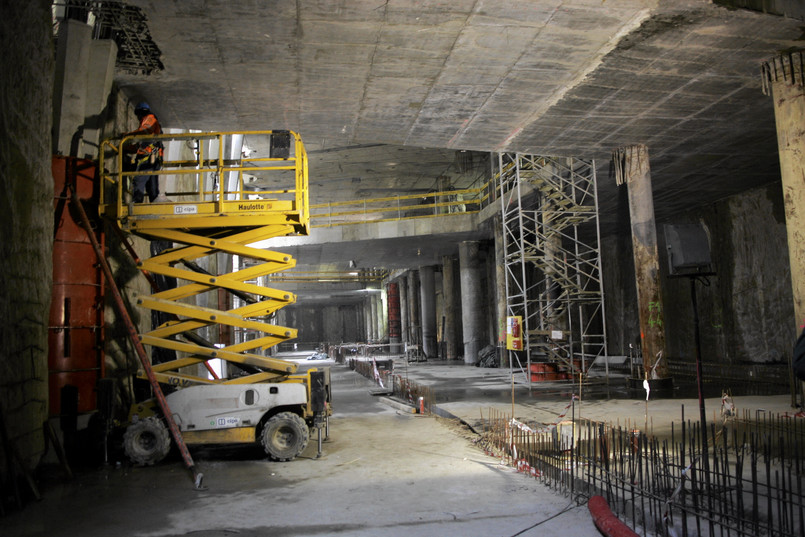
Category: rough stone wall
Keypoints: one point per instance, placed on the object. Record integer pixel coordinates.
(26, 219)
(746, 313)
(745, 310)
(620, 295)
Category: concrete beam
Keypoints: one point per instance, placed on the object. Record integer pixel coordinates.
(100, 75)
(70, 85)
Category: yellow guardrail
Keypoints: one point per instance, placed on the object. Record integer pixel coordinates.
(323, 276)
(210, 182)
(401, 207)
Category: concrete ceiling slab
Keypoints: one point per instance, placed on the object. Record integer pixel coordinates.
(367, 83)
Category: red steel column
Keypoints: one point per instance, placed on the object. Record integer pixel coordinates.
(76, 325)
(395, 334)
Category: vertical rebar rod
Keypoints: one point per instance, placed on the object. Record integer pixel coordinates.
(694, 477)
(739, 489)
(755, 500)
(767, 460)
(798, 473)
(683, 491)
(779, 501)
(572, 442)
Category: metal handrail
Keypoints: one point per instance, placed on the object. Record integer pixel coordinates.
(291, 197)
(396, 206)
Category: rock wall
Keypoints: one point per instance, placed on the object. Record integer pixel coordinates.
(746, 310)
(620, 295)
(26, 219)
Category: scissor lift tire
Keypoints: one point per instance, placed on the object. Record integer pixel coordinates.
(146, 442)
(285, 436)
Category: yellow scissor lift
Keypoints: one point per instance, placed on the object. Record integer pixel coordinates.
(223, 202)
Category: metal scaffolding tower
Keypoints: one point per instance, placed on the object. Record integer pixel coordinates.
(551, 235)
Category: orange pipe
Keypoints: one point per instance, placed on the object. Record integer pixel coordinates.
(606, 522)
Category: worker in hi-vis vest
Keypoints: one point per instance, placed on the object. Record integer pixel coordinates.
(145, 156)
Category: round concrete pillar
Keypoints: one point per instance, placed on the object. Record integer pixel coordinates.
(471, 269)
(783, 78)
(403, 293)
(427, 293)
(633, 170)
(414, 332)
(450, 306)
(373, 318)
(367, 319)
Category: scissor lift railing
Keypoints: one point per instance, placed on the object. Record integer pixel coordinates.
(214, 210)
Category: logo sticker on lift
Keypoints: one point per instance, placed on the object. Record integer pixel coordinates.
(185, 209)
(226, 422)
(254, 206)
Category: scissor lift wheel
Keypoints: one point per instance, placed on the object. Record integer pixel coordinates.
(285, 436)
(147, 441)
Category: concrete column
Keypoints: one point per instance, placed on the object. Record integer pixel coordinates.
(500, 291)
(360, 321)
(414, 331)
(382, 317)
(395, 329)
(427, 293)
(402, 283)
(370, 321)
(70, 86)
(372, 318)
(367, 320)
(449, 295)
(632, 168)
(471, 299)
(100, 74)
(788, 90)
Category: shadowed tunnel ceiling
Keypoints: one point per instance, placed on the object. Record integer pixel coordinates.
(384, 93)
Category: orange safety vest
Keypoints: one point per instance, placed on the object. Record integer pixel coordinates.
(149, 125)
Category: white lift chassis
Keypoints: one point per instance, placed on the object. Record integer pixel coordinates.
(271, 414)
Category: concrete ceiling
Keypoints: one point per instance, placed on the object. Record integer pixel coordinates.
(384, 93)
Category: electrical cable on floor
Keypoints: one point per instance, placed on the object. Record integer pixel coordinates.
(569, 507)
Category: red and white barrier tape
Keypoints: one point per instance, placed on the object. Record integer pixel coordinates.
(377, 374)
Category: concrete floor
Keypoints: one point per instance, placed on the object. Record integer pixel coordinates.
(469, 393)
(384, 472)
